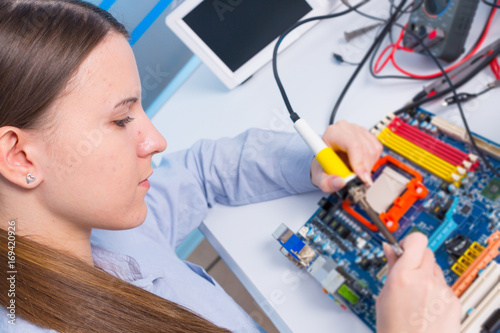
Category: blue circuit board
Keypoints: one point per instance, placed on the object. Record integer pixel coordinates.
(456, 218)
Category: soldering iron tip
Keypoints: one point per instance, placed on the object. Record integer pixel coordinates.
(397, 249)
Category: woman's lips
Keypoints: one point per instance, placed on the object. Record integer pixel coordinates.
(145, 183)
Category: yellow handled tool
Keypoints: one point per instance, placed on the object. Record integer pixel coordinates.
(327, 158)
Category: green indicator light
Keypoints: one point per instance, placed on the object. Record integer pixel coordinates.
(348, 294)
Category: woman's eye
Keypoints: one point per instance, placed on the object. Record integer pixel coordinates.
(123, 122)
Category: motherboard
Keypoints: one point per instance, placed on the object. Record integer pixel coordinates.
(427, 180)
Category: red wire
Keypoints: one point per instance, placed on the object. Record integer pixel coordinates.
(377, 70)
(495, 68)
(397, 46)
(390, 57)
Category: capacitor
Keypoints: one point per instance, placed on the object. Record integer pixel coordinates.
(311, 233)
(493, 217)
(318, 239)
(428, 204)
(360, 242)
(442, 195)
(327, 248)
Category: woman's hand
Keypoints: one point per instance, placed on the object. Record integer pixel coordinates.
(416, 298)
(356, 146)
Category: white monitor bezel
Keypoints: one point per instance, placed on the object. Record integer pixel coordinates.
(232, 79)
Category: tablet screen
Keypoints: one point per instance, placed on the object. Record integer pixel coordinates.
(236, 30)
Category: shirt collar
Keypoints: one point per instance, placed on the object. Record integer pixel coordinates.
(119, 265)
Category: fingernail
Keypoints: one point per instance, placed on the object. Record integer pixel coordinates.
(338, 183)
(367, 178)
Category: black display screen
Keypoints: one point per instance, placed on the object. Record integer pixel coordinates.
(236, 30)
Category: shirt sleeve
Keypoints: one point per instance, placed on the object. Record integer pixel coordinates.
(255, 166)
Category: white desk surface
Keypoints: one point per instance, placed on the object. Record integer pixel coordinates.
(204, 108)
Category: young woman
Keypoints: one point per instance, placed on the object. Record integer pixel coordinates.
(75, 163)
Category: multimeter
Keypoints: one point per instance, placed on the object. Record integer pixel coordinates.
(442, 25)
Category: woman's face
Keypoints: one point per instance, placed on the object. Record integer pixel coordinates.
(96, 154)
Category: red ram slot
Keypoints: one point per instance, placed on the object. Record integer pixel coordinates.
(429, 143)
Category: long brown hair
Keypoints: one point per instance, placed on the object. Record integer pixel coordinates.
(42, 44)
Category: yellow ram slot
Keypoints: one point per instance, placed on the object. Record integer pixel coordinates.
(475, 246)
(458, 269)
(473, 251)
(464, 261)
(422, 157)
(470, 254)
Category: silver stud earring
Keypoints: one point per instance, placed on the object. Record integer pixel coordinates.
(30, 178)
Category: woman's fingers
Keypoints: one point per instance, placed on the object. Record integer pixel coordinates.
(390, 255)
(415, 251)
(362, 148)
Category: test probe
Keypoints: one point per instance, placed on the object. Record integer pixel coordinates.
(461, 74)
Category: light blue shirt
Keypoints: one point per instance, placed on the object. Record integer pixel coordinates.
(256, 166)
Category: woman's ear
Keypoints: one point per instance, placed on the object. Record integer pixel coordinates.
(16, 160)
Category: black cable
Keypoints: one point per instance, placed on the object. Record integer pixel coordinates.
(413, 105)
(391, 38)
(348, 5)
(372, 65)
(374, 54)
(338, 58)
(294, 115)
(407, 9)
(465, 97)
(375, 18)
(492, 4)
(413, 7)
(372, 60)
(377, 41)
(378, 47)
(376, 76)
